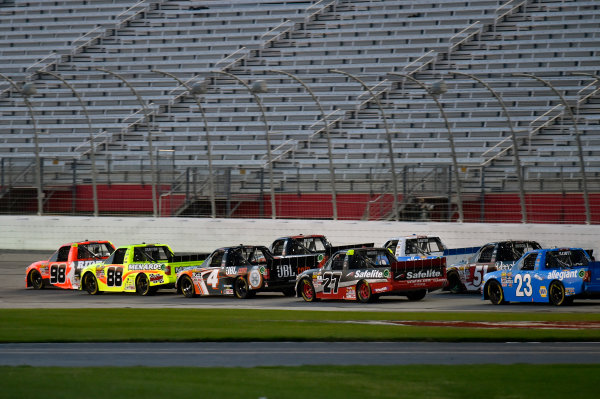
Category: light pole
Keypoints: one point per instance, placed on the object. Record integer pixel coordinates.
(92, 145)
(29, 90)
(514, 140)
(588, 214)
(327, 134)
(147, 117)
(433, 92)
(260, 86)
(195, 90)
(387, 134)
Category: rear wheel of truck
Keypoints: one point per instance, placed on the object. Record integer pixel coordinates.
(363, 292)
(187, 287)
(36, 280)
(557, 295)
(90, 284)
(454, 284)
(307, 290)
(142, 285)
(495, 292)
(416, 295)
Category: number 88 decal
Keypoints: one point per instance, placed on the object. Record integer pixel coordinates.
(114, 276)
(58, 274)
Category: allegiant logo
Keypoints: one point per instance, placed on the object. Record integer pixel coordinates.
(562, 274)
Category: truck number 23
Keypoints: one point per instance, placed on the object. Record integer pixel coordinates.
(523, 285)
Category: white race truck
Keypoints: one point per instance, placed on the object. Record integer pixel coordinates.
(427, 247)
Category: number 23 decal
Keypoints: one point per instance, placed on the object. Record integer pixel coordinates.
(523, 285)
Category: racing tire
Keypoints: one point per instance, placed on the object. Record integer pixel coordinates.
(363, 292)
(455, 286)
(495, 293)
(36, 280)
(557, 295)
(186, 285)
(142, 285)
(307, 290)
(416, 295)
(90, 284)
(241, 290)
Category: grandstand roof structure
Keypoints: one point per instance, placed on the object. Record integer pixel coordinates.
(149, 84)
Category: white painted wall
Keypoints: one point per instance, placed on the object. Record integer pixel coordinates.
(205, 235)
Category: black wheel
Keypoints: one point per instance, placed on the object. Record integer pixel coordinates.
(90, 284)
(495, 292)
(307, 290)
(289, 291)
(36, 280)
(556, 294)
(240, 288)
(363, 292)
(454, 284)
(142, 285)
(187, 286)
(416, 295)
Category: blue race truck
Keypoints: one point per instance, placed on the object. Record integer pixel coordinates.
(556, 276)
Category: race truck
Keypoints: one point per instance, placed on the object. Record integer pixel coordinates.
(140, 268)
(364, 274)
(468, 276)
(63, 268)
(427, 247)
(314, 249)
(242, 271)
(556, 276)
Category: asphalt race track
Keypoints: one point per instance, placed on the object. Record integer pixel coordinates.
(252, 354)
(14, 295)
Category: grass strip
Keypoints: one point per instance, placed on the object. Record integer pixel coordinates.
(332, 382)
(143, 325)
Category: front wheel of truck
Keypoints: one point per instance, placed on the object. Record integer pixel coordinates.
(187, 287)
(90, 284)
(307, 290)
(36, 280)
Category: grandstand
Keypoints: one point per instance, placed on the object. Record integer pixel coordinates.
(118, 55)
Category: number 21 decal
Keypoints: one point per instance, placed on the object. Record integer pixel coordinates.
(523, 285)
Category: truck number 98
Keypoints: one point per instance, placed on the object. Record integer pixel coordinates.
(58, 274)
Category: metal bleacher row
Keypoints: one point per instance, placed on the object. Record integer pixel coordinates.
(491, 39)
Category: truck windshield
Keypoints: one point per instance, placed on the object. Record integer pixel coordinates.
(151, 254)
(566, 258)
(371, 259)
(94, 251)
(424, 246)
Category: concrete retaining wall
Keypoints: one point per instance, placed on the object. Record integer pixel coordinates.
(205, 235)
